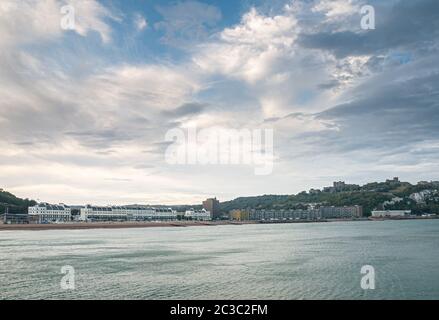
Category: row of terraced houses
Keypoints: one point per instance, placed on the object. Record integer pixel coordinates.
(349, 212)
(48, 213)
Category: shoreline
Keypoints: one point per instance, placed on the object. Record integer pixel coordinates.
(132, 225)
(177, 224)
(116, 225)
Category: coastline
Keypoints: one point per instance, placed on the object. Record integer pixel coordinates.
(116, 225)
(131, 225)
(178, 224)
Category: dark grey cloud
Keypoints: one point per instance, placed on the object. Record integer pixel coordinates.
(185, 110)
(272, 119)
(329, 85)
(386, 117)
(384, 110)
(411, 25)
(25, 143)
(293, 115)
(395, 107)
(101, 139)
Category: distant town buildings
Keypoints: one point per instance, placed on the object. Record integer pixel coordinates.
(340, 186)
(49, 213)
(422, 196)
(313, 213)
(392, 202)
(390, 213)
(426, 195)
(272, 214)
(434, 183)
(393, 181)
(341, 212)
(314, 191)
(213, 206)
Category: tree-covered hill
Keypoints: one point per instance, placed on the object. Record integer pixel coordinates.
(260, 202)
(371, 196)
(14, 204)
(369, 201)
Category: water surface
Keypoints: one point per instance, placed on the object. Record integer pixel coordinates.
(287, 261)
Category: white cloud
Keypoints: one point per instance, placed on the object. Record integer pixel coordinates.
(249, 50)
(140, 22)
(91, 16)
(80, 133)
(336, 8)
(78, 128)
(146, 87)
(111, 106)
(32, 21)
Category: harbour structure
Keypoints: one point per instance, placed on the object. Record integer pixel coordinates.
(126, 213)
(45, 212)
(17, 218)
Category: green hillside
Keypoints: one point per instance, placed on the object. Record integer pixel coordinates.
(371, 196)
(14, 204)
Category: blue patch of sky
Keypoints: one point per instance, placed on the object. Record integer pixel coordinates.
(401, 57)
(130, 45)
(305, 96)
(145, 46)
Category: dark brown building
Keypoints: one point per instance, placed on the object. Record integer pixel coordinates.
(213, 206)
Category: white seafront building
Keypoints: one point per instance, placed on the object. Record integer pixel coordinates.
(50, 212)
(202, 214)
(126, 213)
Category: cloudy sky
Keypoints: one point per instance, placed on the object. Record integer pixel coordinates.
(84, 112)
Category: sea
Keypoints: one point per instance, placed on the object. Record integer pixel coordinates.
(330, 260)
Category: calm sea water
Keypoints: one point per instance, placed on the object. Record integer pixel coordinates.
(288, 261)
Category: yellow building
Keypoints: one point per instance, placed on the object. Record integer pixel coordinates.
(239, 215)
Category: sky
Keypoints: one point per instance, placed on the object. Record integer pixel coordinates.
(84, 112)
